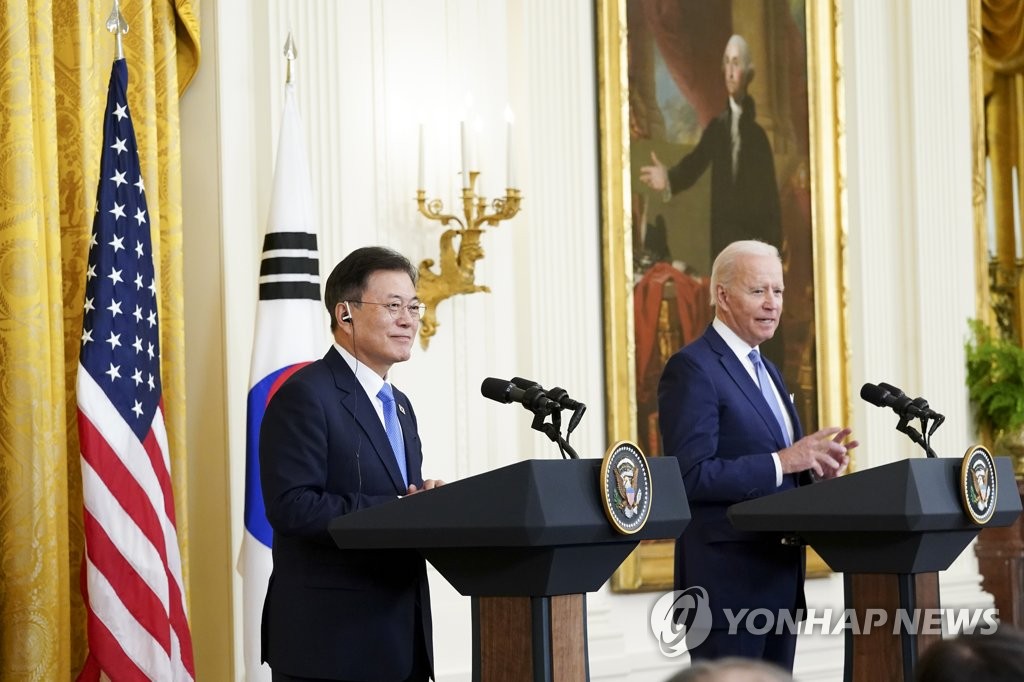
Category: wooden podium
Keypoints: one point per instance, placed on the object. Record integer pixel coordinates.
(525, 542)
(1000, 553)
(889, 529)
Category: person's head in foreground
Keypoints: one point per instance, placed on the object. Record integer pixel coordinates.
(977, 657)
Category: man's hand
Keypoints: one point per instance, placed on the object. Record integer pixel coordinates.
(428, 484)
(823, 452)
(655, 177)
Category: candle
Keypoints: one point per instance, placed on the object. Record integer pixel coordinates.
(420, 184)
(1016, 214)
(465, 156)
(474, 144)
(510, 174)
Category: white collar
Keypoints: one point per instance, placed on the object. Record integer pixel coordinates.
(737, 345)
(368, 379)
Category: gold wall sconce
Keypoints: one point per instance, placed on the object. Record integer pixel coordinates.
(457, 273)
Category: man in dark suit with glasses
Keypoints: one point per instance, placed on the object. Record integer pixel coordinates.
(336, 438)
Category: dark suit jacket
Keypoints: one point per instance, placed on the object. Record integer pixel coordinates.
(334, 613)
(715, 420)
(746, 207)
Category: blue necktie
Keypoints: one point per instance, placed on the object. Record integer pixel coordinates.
(393, 429)
(769, 395)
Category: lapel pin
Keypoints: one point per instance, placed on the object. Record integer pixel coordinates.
(401, 408)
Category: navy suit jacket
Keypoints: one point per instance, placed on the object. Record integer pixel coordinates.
(332, 613)
(715, 420)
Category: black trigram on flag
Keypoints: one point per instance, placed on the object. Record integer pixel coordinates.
(290, 267)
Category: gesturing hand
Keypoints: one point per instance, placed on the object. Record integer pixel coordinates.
(655, 176)
(823, 452)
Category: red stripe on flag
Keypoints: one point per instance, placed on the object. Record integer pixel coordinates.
(122, 485)
(106, 656)
(163, 477)
(102, 645)
(156, 456)
(178, 619)
(131, 589)
(283, 377)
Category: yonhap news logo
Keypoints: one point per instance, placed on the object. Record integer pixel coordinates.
(929, 621)
(680, 620)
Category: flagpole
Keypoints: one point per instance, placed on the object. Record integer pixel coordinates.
(118, 26)
(290, 53)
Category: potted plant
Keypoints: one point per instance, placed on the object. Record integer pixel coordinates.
(995, 386)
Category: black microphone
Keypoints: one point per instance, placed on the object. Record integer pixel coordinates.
(525, 383)
(928, 413)
(918, 407)
(899, 402)
(559, 395)
(532, 398)
(876, 395)
(887, 395)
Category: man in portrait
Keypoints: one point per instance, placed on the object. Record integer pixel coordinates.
(744, 192)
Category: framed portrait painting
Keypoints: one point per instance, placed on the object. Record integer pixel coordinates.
(666, 96)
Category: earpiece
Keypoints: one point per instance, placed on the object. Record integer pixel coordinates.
(347, 316)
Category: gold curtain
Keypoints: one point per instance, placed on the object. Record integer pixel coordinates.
(55, 58)
(1002, 31)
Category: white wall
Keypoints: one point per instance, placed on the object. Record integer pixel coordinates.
(370, 71)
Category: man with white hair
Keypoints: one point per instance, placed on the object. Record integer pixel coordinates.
(744, 192)
(725, 413)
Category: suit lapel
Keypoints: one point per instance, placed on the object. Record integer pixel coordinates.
(739, 374)
(364, 414)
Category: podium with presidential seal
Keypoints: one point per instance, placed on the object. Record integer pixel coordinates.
(526, 542)
(889, 530)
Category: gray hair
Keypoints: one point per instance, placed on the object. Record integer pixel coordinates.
(741, 44)
(724, 269)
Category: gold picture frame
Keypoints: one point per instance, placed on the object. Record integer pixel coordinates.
(650, 566)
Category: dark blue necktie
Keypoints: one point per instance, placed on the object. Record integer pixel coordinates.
(769, 395)
(394, 430)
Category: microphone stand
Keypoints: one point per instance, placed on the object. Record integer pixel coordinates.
(553, 430)
(905, 427)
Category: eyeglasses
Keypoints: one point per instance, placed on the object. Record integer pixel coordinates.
(415, 310)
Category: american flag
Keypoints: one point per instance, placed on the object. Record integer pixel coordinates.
(132, 585)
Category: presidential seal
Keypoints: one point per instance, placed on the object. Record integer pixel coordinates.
(626, 487)
(978, 486)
